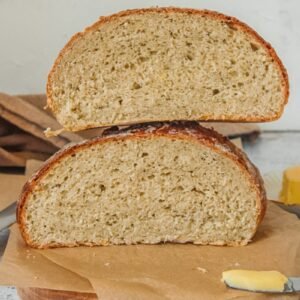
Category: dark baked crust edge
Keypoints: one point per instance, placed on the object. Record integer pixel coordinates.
(168, 10)
(188, 130)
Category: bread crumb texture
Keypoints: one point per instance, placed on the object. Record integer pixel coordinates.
(145, 190)
(165, 66)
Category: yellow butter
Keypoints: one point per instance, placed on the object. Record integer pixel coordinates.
(269, 281)
(290, 193)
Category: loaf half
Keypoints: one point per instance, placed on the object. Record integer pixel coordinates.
(152, 183)
(163, 64)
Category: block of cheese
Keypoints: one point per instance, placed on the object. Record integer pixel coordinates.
(164, 64)
(290, 192)
(152, 183)
(267, 281)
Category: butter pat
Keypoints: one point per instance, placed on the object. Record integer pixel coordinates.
(268, 281)
(290, 193)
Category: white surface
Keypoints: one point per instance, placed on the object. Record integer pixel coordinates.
(32, 32)
(8, 293)
(274, 151)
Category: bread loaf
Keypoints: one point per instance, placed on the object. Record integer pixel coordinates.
(163, 64)
(152, 183)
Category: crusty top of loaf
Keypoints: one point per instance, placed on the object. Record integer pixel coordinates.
(234, 22)
(188, 130)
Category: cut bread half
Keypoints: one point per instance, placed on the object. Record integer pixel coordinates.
(163, 64)
(153, 183)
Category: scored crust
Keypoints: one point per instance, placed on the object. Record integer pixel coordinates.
(234, 22)
(188, 130)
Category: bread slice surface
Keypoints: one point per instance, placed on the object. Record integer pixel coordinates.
(164, 64)
(152, 183)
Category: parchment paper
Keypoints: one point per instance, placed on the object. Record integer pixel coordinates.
(169, 271)
(25, 267)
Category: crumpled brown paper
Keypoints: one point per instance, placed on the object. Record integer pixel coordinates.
(25, 267)
(168, 271)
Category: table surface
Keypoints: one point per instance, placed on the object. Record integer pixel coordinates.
(271, 151)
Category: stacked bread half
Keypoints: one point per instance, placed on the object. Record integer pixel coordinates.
(164, 178)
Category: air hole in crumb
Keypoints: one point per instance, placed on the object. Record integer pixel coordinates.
(144, 154)
(231, 26)
(254, 47)
(240, 84)
(142, 59)
(136, 86)
(173, 35)
(216, 91)
(189, 57)
(197, 191)
(102, 187)
(188, 43)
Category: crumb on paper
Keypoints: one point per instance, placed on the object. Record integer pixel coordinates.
(35, 277)
(236, 264)
(203, 270)
(107, 264)
(94, 254)
(50, 133)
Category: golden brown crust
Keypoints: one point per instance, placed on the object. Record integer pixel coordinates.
(168, 10)
(191, 131)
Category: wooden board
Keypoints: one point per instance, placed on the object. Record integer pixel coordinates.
(46, 294)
